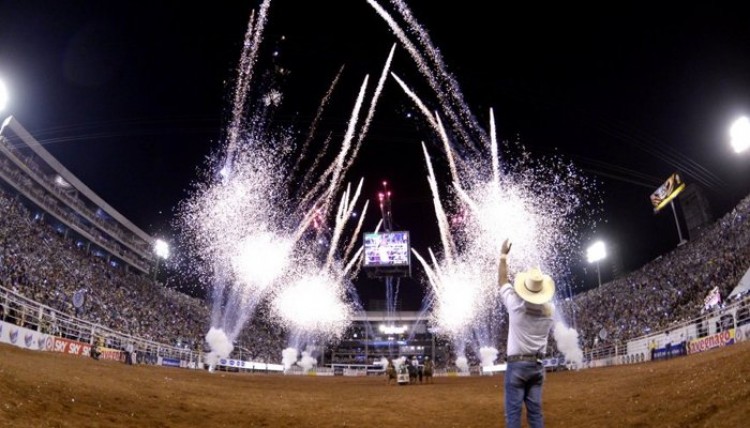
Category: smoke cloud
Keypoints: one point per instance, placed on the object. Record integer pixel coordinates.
(307, 361)
(289, 357)
(462, 363)
(567, 343)
(220, 346)
(488, 354)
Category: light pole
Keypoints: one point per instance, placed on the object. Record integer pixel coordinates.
(161, 249)
(595, 253)
(740, 134)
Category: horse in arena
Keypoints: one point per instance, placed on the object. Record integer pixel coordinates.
(390, 373)
(427, 370)
(412, 372)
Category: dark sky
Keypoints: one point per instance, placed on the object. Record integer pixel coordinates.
(132, 96)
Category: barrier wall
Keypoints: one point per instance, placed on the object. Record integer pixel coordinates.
(22, 337)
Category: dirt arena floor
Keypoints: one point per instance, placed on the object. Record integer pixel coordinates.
(39, 389)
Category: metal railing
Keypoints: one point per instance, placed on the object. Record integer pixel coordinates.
(18, 309)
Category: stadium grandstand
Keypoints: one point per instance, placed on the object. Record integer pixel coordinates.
(73, 270)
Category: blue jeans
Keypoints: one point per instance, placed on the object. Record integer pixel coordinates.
(523, 384)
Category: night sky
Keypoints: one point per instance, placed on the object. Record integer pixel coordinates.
(132, 96)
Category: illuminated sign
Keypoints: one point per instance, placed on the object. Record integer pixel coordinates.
(666, 192)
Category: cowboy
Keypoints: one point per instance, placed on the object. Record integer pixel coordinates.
(530, 322)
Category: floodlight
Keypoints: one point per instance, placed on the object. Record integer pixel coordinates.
(596, 252)
(161, 249)
(3, 95)
(740, 134)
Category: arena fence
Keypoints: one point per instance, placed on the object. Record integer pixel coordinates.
(32, 325)
(716, 328)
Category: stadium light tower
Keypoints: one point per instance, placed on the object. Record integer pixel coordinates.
(596, 253)
(161, 249)
(740, 134)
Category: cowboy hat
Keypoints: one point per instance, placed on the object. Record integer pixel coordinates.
(534, 287)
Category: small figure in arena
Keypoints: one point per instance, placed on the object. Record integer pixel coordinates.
(411, 366)
(129, 350)
(96, 349)
(427, 370)
(390, 372)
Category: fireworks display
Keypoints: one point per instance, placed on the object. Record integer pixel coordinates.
(254, 229)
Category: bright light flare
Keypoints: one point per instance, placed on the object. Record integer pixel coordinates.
(3, 96)
(596, 252)
(458, 300)
(740, 134)
(313, 305)
(261, 259)
(500, 214)
(161, 249)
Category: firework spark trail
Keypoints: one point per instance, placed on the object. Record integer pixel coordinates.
(312, 301)
(420, 105)
(314, 125)
(456, 300)
(425, 69)
(448, 151)
(253, 38)
(338, 168)
(435, 122)
(500, 207)
(357, 230)
(322, 179)
(442, 219)
(453, 89)
(371, 110)
(345, 212)
(493, 147)
(355, 258)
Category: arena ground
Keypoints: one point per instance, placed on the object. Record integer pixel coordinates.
(39, 389)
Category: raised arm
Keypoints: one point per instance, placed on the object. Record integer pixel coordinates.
(502, 270)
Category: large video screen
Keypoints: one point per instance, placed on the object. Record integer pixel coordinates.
(387, 249)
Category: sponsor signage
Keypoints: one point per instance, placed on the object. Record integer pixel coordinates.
(249, 365)
(666, 192)
(72, 347)
(22, 337)
(674, 350)
(110, 354)
(170, 362)
(717, 340)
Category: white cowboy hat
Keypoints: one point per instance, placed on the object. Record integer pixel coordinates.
(534, 287)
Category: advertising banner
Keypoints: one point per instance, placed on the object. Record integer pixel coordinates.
(67, 346)
(666, 192)
(110, 354)
(22, 337)
(170, 362)
(710, 342)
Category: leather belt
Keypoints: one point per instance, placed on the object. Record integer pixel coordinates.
(533, 358)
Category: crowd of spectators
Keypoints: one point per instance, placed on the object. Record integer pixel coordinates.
(41, 263)
(668, 290)
(45, 265)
